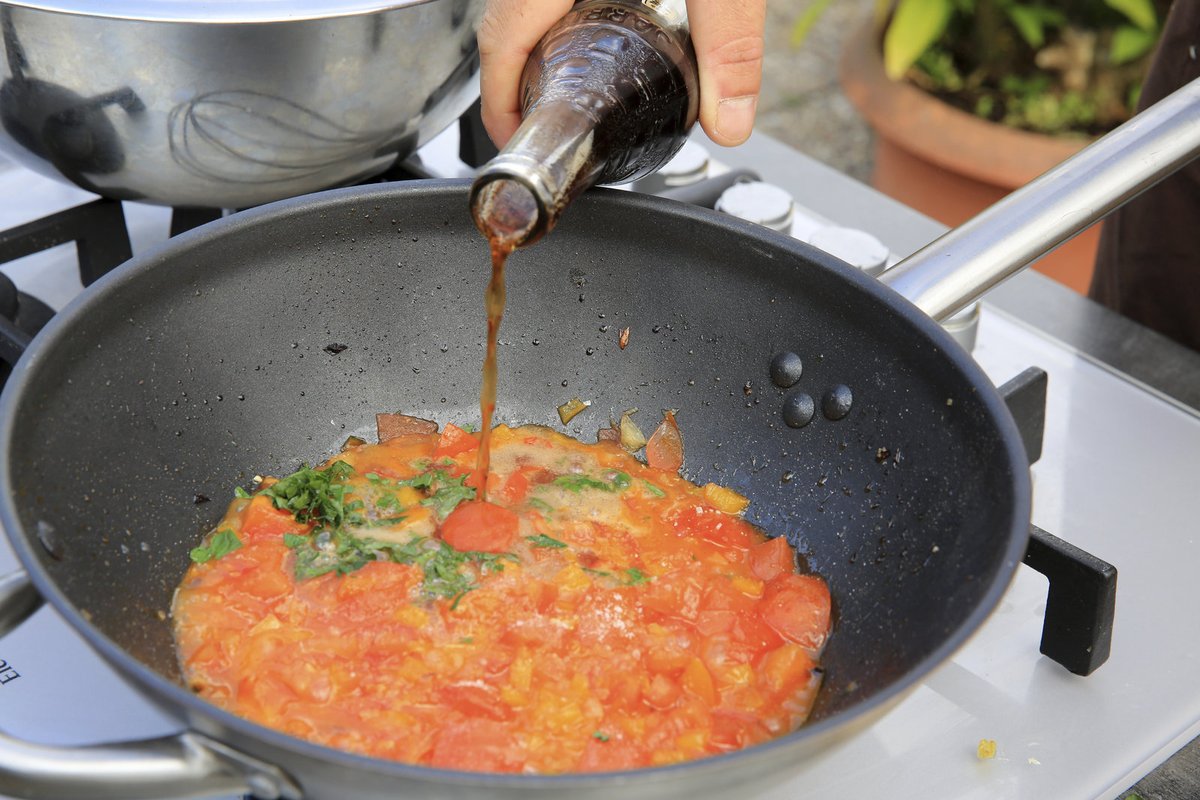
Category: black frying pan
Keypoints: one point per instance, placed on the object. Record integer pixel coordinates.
(188, 371)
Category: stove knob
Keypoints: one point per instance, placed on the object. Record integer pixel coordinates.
(857, 248)
(688, 166)
(761, 203)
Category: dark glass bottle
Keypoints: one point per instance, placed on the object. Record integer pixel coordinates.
(607, 96)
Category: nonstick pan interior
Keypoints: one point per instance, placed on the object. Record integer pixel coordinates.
(264, 340)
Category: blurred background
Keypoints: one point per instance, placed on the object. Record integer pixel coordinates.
(802, 103)
(948, 105)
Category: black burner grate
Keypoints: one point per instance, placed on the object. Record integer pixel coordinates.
(101, 243)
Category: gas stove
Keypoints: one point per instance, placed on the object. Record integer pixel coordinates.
(1121, 428)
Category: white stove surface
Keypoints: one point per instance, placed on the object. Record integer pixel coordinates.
(1114, 479)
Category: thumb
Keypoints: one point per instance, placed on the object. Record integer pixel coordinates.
(728, 35)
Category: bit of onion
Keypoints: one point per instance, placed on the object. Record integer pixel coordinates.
(665, 449)
(571, 409)
(632, 438)
(609, 434)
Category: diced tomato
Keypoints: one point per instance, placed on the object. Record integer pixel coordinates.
(733, 731)
(665, 449)
(609, 754)
(475, 700)
(785, 668)
(714, 526)
(662, 692)
(261, 519)
(518, 484)
(797, 607)
(698, 681)
(475, 744)
(675, 594)
(772, 558)
(710, 622)
(480, 526)
(454, 440)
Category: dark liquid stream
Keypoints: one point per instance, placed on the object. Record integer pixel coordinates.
(494, 303)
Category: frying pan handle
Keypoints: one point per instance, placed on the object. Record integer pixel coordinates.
(182, 766)
(185, 765)
(953, 271)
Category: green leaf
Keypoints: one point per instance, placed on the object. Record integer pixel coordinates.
(1140, 12)
(916, 25)
(449, 493)
(652, 489)
(600, 736)
(222, 543)
(292, 540)
(541, 505)
(241, 493)
(635, 577)
(1028, 23)
(1130, 43)
(542, 540)
(577, 483)
(809, 18)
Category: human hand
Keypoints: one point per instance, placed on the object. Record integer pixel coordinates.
(728, 35)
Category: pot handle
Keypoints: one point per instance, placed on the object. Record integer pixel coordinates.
(955, 270)
(184, 765)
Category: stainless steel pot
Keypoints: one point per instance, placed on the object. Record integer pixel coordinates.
(229, 103)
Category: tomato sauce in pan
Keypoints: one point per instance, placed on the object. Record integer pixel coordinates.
(597, 613)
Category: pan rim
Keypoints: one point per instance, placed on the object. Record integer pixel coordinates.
(815, 735)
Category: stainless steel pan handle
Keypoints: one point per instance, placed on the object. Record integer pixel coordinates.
(954, 270)
(180, 766)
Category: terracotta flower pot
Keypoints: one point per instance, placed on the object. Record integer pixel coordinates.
(947, 163)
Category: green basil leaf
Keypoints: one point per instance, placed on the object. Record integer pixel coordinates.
(222, 543)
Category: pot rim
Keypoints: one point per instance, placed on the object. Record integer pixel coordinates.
(217, 12)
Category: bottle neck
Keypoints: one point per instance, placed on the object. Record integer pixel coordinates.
(519, 195)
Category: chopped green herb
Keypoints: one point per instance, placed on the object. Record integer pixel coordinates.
(448, 494)
(600, 736)
(577, 483)
(601, 573)
(621, 480)
(467, 640)
(540, 505)
(318, 496)
(384, 522)
(222, 543)
(241, 493)
(292, 540)
(635, 577)
(469, 427)
(652, 489)
(422, 481)
(542, 540)
(373, 477)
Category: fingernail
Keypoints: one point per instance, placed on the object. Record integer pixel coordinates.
(735, 117)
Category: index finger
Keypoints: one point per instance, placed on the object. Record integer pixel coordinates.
(508, 33)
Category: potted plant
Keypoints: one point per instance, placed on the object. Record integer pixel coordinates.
(970, 99)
